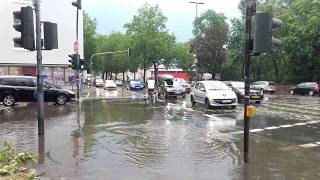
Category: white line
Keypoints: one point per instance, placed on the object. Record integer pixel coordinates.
(299, 124)
(236, 132)
(313, 122)
(212, 117)
(318, 143)
(272, 127)
(256, 130)
(189, 109)
(285, 126)
(310, 145)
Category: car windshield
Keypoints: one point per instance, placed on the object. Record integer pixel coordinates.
(238, 85)
(135, 83)
(216, 86)
(168, 82)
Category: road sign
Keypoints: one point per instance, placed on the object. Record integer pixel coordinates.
(76, 47)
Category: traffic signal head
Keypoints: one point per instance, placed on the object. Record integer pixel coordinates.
(81, 65)
(73, 61)
(262, 25)
(26, 28)
(77, 4)
(50, 33)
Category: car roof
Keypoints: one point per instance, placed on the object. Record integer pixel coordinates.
(31, 77)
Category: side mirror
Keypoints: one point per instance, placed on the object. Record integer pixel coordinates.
(202, 89)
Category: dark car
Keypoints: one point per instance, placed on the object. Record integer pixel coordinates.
(169, 88)
(310, 88)
(238, 87)
(135, 85)
(24, 89)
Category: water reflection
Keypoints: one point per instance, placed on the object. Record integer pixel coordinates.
(133, 140)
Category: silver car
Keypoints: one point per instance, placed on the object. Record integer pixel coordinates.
(264, 86)
(213, 94)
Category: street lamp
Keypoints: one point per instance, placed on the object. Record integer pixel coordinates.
(196, 34)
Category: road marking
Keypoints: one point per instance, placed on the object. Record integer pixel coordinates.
(256, 130)
(272, 127)
(236, 132)
(189, 109)
(312, 122)
(212, 117)
(286, 126)
(309, 145)
(300, 124)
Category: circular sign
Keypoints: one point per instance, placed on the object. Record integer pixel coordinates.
(76, 47)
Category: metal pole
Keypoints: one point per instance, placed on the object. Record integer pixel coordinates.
(78, 60)
(250, 10)
(40, 99)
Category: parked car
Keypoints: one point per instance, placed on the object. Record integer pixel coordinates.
(24, 89)
(183, 83)
(110, 85)
(264, 86)
(118, 82)
(310, 88)
(169, 88)
(213, 94)
(238, 87)
(135, 85)
(99, 83)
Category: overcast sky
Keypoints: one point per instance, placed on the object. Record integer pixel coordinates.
(113, 14)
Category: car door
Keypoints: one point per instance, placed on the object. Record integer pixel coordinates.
(196, 92)
(50, 92)
(202, 92)
(299, 88)
(24, 88)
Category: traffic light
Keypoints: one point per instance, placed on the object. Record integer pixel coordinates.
(262, 24)
(73, 61)
(81, 65)
(50, 33)
(23, 23)
(77, 4)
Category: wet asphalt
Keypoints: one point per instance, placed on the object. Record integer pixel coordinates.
(124, 135)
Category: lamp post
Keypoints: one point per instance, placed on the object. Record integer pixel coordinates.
(196, 36)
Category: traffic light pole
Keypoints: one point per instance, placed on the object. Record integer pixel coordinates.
(250, 10)
(78, 60)
(40, 99)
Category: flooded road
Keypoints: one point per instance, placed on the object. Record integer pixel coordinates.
(132, 139)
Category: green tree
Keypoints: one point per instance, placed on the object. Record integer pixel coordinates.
(89, 37)
(151, 40)
(212, 32)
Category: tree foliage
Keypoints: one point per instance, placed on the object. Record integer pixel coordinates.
(89, 37)
(211, 31)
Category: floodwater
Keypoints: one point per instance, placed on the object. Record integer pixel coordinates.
(129, 139)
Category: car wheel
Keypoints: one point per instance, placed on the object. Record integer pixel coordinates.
(62, 99)
(271, 92)
(9, 100)
(233, 107)
(291, 92)
(193, 102)
(311, 93)
(207, 103)
(258, 102)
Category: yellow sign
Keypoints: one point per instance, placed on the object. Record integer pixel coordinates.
(251, 111)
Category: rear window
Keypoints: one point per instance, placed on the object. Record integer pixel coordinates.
(272, 84)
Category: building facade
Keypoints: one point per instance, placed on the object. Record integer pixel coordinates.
(17, 61)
